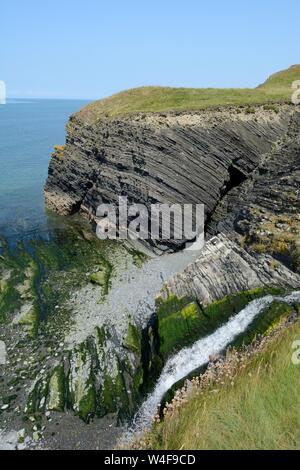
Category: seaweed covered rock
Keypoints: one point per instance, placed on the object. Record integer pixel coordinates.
(56, 391)
(82, 393)
(182, 320)
(18, 292)
(101, 276)
(97, 377)
(179, 323)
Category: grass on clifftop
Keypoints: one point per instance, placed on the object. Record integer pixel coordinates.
(161, 99)
(261, 410)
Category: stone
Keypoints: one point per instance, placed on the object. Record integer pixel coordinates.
(36, 436)
(224, 268)
(22, 434)
(81, 386)
(3, 353)
(190, 157)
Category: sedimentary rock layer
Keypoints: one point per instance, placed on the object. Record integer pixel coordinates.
(224, 268)
(193, 157)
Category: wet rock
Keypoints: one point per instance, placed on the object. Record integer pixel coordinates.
(28, 317)
(132, 340)
(98, 376)
(81, 384)
(56, 393)
(3, 353)
(36, 436)
(8, 440)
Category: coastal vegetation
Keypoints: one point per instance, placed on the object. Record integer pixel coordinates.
(277, 89)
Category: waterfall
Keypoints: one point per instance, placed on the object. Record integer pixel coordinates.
(191, 358)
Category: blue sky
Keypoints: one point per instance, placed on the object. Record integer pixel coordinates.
(93, 48)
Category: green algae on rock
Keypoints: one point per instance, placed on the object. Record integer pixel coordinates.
(183, 320)
(179, 323)
(101, 276)
(95, 378)
(57, 394)
(18, 292)
(132, 340)
(37, 396)
(29, 320)
(82, 392)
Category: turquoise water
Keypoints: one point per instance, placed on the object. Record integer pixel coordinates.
(29, 129)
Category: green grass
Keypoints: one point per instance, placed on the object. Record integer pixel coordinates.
(281, 81)
(161, 99)
(260, 411)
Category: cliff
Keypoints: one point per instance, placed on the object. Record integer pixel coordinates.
(184, 158)
(241, 162)
(156, 144)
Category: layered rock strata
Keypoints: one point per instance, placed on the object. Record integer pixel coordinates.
(224, 268)
(194, 157)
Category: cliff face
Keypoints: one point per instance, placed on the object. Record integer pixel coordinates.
(225, 268)
(194, 157)
(253, 243)
(254, 231)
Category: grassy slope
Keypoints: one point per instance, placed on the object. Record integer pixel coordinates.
(154, 99)
(261, 410)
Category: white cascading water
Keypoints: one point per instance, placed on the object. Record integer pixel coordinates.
(188, 359)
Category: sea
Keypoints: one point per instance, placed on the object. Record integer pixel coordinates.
(29, 129)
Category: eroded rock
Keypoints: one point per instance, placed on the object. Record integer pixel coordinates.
(97, 377)
(3, 353)
(223, 268)
(182, 158)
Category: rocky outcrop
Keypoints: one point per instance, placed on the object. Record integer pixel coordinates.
(194, 157)
(263, 212)
(224, 268)
(95, 378)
